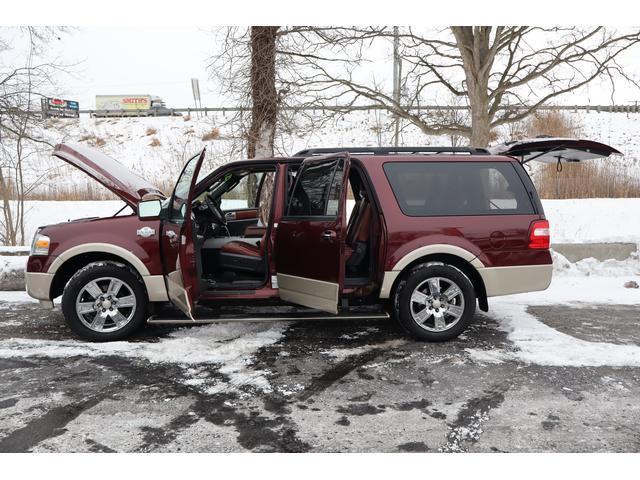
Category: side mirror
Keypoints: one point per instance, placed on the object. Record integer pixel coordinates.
(149, 209)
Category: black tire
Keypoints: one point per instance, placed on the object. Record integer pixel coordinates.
(101, 270)
(402, 301)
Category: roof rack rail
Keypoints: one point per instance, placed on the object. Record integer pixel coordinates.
(391, 150)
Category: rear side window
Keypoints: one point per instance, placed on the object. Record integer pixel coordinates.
(427, 189)
(317, 190)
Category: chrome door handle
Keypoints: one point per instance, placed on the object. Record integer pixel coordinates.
(328, 235)
(230, 215)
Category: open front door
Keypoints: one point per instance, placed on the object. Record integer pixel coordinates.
(178, 248)
(310, 236)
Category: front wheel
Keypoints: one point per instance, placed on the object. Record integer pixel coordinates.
(436, 302)
(103, 302)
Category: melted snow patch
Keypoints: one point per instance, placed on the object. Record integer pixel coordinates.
(6, 298)
(342, 353)
(540, 344)
(229, 346)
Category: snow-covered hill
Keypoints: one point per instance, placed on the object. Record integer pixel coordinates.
(157, 147)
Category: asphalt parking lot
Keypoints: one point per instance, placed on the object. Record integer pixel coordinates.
(357, 386)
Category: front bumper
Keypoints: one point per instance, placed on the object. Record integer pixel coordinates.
(39, 285)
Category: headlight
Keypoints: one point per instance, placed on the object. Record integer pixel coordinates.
(40, 245)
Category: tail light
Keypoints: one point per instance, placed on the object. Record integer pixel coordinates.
(539, 235)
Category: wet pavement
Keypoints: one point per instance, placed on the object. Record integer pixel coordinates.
(356, 386)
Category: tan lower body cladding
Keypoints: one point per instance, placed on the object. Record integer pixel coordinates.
(309, 292)
(497, 280)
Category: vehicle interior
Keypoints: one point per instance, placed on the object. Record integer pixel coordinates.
(231, 220)
(360, 237)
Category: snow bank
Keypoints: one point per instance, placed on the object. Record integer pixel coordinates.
(590, 266)
(592, 220)
(12, 272)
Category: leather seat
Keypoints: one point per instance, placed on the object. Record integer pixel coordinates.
(358, 232)
(242, 248)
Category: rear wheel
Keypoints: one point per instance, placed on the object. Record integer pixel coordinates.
(436, 302)
(104, 302)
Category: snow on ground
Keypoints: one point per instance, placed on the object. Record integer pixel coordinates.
(231, 346)
(580, 284)
(538, 343)
(592, 220)
(7, 298)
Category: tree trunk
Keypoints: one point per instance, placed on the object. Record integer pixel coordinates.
(480, 120)
(477, 59)
(264, 96)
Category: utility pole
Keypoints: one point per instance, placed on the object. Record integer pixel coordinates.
(397, 75)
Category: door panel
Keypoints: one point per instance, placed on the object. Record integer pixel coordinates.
(239, 220)
(177, 241)
(309, 239)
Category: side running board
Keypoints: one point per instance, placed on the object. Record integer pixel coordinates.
(291, 317)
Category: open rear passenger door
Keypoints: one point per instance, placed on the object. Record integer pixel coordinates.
(309, 237)
(177, 240)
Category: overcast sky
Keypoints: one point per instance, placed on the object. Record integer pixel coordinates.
(161, 61)
(155, 61)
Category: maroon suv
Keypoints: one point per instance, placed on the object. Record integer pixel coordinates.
(430, 232)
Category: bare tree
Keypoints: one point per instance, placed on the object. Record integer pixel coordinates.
(236, 67)
(264, 96)
(21, 87)
(503, 73)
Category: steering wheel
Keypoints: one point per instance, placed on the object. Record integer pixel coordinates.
(215, 211)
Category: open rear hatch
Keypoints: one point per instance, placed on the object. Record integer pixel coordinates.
(554, 150)
(109, 172)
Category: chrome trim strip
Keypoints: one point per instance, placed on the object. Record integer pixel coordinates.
(186, 321)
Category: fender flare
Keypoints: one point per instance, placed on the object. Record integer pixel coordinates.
(390, 276)
(100, 248)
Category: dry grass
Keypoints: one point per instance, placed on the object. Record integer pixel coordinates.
(591, 179)
(151, 131)
(214, 134)
(553, 123)
(155, 142)
(92, 139)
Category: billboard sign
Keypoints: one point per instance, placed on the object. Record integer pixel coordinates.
(56, 107)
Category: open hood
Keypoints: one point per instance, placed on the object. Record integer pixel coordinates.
(109, 172)
(554, 150)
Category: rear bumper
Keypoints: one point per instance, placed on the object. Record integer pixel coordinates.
(39, 285)
(518, 279)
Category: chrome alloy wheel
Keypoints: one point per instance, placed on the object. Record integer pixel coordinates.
(106, 304)
(437, 304)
